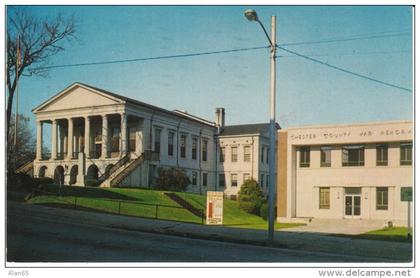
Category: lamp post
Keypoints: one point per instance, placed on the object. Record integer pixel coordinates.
(251, 15)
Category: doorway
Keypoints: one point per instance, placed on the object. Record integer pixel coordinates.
(352, 202)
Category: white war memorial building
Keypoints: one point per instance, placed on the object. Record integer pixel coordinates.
(118, 141)
(345, 171)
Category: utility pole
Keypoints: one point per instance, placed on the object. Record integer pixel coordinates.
(251, 15)
(272, 153)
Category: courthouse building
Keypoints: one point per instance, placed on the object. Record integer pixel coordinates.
(345, 171)
(101, 136)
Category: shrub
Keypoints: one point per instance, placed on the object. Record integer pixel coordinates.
(92, 183)
(21, 181)
(172, 179)
(44, 180)
(264, 211)
(250, 197)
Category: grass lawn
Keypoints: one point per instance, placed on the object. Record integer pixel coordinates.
(388, 234)
(106, 200)
(233, 216)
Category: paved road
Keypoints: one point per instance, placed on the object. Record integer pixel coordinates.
(42, 239)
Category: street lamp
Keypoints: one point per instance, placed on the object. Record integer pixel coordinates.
(251, 15)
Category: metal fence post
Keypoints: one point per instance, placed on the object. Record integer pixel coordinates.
(75, 201)
(202, 217)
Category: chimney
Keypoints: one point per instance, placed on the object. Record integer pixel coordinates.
(220, 118)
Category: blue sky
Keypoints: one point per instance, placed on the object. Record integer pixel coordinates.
(307, 93)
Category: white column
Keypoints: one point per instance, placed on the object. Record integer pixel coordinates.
(123, 147)
(54, 140)
(87, 136)
(104, 136)
(145, 133)
(70, 138)
(38, 140)
(139, 145)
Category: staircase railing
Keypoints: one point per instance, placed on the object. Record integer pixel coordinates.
(26, 167)
(114, 168)
(117, 179)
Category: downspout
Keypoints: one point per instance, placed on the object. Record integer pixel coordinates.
(177, 143)
(215, 162)
(199, 159)
(252, 157)
(150, 148)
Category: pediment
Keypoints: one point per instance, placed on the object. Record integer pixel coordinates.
(77, 96)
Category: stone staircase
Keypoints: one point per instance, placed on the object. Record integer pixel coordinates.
(185, 204)
(124, 167)
(26, 168)
(118, 176)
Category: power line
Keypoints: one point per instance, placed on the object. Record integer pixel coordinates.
(346, 39)
(355, 37)
(349, 53)
(150, 58)
(344, 70)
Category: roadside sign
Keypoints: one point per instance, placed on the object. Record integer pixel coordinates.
(214, 212)
(406, 194)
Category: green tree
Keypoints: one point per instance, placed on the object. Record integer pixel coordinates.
(172, 179)
(250, 197)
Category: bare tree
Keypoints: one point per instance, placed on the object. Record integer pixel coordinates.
(39, 40)
(24, 151)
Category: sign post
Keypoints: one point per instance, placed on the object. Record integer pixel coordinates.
(407, 196)
(214, 212)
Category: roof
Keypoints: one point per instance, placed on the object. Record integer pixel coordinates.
(134, 102)
(262, 129)
(376, 123)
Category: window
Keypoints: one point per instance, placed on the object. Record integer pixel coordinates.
(204, 179)
(194, 178)
(115, 141)
(324, 198)
(267, 182)
(204, 150)
(183, 143)
(354, 155)
(194, 148)
(382, 198)
(326, 156)
(406, 150)
(222, 180)
(246, 177)
(247, 153)
(267, 155)
(262, 154)
(234, 157)
(171, 136)
(222, 155)
(381, 154)
(157, 140)
(234, 180)
(262, 180)
(305, 156)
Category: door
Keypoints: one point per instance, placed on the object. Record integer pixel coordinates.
(352, 206)
(352, 203)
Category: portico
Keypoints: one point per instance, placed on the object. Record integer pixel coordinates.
(97, 132)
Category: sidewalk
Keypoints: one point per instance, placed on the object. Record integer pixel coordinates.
(377, 250)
